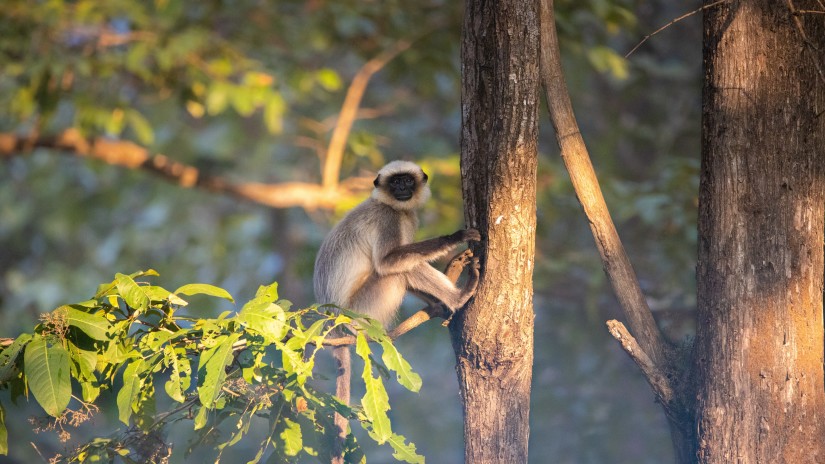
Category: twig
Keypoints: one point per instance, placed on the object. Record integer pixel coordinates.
(655, 377)
(686, 15)
(349, 111)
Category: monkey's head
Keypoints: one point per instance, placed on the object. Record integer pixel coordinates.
(402, 185)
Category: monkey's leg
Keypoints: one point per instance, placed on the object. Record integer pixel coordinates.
(428, 280)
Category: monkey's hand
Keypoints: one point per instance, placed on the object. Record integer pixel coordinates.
(466, 235)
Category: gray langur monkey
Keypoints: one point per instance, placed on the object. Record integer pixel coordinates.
(369, 261)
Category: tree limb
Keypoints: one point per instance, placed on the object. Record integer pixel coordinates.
(349, 111)
(655, 376)
(132, 156)
(577, 161)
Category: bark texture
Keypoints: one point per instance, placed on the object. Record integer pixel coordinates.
(759, 346)
(493, 336)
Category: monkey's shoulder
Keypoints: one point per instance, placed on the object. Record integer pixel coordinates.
(375, 216)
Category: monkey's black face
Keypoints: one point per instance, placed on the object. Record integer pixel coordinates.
(401, 186)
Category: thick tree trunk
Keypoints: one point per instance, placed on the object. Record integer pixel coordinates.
(759, 347)
(493, 336)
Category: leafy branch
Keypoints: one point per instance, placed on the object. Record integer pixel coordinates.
(133, 336)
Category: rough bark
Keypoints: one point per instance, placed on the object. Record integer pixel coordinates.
(759, 346)
(493, 336)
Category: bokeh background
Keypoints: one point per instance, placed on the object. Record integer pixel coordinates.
(250, 90)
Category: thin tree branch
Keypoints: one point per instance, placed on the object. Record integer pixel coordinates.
(132, 156)
(655, 376)
(349, 112)
(577, 161)
(686, 15)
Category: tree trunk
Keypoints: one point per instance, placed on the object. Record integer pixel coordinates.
(759, 346)
(493, 336)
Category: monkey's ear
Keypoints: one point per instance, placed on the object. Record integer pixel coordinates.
(425, 176)
(376, 181)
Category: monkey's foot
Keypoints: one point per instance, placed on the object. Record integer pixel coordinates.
(457, 264)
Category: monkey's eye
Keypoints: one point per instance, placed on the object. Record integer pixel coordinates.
(409, 181)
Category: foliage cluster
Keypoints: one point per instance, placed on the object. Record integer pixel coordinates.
(222, 373)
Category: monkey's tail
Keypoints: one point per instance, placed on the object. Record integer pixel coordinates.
(342, 387)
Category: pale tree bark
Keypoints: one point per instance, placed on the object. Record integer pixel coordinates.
(493, 336)
(759, 346)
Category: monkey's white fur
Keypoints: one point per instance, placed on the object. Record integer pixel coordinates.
(402, 167)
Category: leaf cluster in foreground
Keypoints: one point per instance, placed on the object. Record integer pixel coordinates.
(134, 340)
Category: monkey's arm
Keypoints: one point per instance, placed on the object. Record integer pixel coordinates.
(403, 258)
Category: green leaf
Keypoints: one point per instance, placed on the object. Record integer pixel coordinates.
(143, 130)
(157, 293)
(605, 60)
(9, 355)
(212, 369)
(85, 360)
(268, 293)
(4, 434)
(93, 325)
(329, 79)
(403, 372)
(48, 373)
(204, 289)
(403, 451)
(201, 418)
(180, 374)
(293, 441)
(376, 403)
(131, 292)
(267, 319)
(128, 394)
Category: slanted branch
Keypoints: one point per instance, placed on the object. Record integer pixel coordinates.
(644, 341)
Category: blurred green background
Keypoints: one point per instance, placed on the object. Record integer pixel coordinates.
(251, 90)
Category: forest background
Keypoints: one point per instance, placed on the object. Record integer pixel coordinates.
(252, 91)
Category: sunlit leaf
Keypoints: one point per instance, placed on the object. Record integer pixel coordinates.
(293, 441)
(93, 325)
(404, 373)
(9, 355)
(141, 126)
(131, 292)
(267, 319)
(204, 289)
(329, 79)
(403, 451)
(212, 369)
(132, 382)
(47, 370)
(180, 373)
(375, 400)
